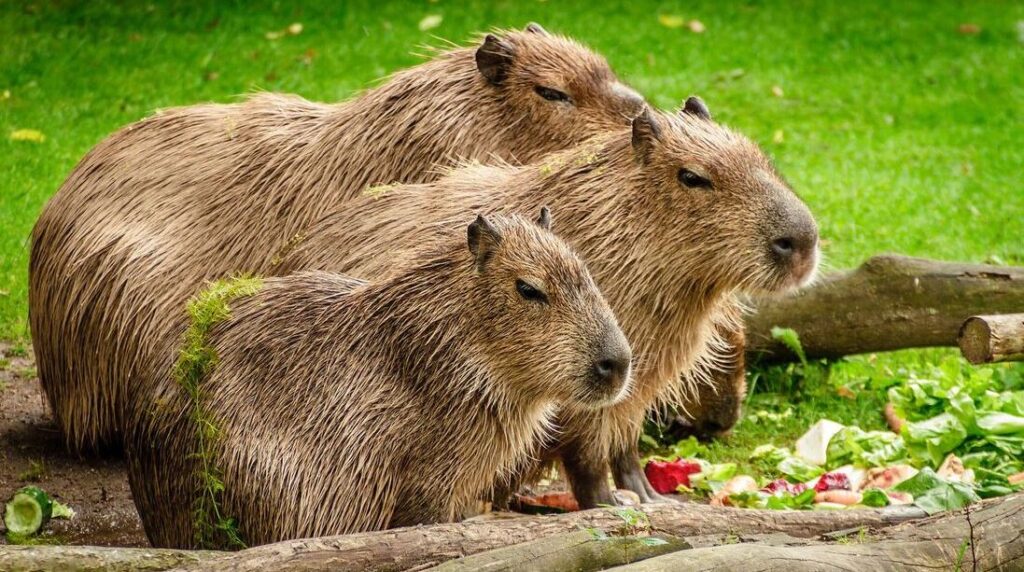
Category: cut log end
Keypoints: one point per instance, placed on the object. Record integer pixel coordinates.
(987, 339)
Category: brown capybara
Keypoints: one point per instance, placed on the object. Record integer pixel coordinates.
(673, 217)
(714, 408)
(195, 193)
(345, 406)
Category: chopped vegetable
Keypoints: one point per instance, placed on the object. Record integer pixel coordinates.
(666, 476)
(812, 446)
(852, 445)
(874, 498)
(737, 484)
(833, 481)
(27, 511)
(935, 494)
(782, 485)
(838, 496)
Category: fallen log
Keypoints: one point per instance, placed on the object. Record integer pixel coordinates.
(987, 339)
(978, 538)
(890, 302)
(96, 558)
(582, 551)
(423, 546)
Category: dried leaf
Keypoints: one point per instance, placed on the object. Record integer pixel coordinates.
(276, 35)
(969, 29)
(777, 91)
(28, 135)
(295, 29)
(430, 22)
(696, 26)
(671, 21)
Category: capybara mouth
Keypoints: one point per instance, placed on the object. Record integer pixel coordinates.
(597, 396)
(796, 270)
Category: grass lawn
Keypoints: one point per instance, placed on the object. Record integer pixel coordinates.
(901, 127)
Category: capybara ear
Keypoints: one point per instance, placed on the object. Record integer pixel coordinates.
(494, 58)
(483, 240)
(535, 28)
(695, 106)
(646, 134)
(544, 220)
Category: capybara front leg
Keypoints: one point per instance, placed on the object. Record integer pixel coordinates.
(627, 473)
(588, 476)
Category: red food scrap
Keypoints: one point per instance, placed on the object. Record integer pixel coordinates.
(782, 485)
(833, 481)
(666, 476)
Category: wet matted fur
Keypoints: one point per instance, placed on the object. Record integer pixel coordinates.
(345, 406)
(195, 193)
(667, 255)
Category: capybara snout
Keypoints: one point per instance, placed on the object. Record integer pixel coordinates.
(793, 247)
(610, 372)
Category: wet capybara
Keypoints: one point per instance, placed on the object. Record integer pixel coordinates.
(195, 193)
(344, 406)
(673, 218)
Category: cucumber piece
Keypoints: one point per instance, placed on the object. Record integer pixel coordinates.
(27, 511)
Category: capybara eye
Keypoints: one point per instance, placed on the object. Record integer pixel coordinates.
(551, 94)
(529, 292)
(693, 180)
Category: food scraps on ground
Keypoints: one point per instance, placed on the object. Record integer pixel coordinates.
(29, 509)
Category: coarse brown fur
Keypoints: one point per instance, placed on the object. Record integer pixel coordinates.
(347, 406)
(194, 193)
(667, 257)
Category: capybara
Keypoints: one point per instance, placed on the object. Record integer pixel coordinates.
(673, 217)
(714, 408)
(195, 193)
(345, 406)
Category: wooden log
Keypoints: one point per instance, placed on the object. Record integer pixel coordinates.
(96, 558)
(581, 551)
(987, 339)
(890, 302)
(424, 546)
(979, 538)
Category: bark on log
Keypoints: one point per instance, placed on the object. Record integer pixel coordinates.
(96, 558)
(424, 546)
(987, 339)
(580, 551)
(979, 538)
(890, 302)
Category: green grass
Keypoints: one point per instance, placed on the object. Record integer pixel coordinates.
(903, 134)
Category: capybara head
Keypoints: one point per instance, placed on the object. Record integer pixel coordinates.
(546, 322)
(555, 85)
(755, 233)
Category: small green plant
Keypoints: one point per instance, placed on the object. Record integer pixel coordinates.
(636, 522)
(196, 361)
(789, 338)
(17, 351)
(35, 472)
(958, 566)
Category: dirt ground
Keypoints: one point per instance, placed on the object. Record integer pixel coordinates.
(31, 452)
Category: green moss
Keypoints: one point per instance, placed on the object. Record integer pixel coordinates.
(35, 472)
(196, 360)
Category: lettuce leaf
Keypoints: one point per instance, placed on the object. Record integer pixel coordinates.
(934, 494)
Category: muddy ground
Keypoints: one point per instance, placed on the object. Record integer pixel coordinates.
(31, 452)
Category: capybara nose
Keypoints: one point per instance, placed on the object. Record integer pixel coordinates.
(801, 244)
(612, 369)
